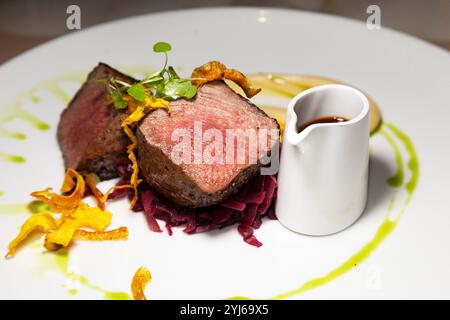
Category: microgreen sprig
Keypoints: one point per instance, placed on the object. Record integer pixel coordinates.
(165, 84)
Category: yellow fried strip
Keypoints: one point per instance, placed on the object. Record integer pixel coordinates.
(115, 234)
(64, 203)
(141, 109)
(152, 103)
(215, 70)
(141, 279)
(75, 215)
(139, 112)
(110, 190)
(83, 217)
(42, 222)
(68, 183)
(134, 181)
(98, 195)
(61, 237)
(241, 80)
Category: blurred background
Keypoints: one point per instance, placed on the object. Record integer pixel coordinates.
(27, 23)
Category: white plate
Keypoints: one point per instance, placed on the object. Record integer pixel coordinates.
(407, 77)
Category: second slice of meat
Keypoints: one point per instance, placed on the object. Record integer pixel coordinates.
(89, 131)
(217, 107)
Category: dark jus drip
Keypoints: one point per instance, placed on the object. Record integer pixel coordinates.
(324, 119)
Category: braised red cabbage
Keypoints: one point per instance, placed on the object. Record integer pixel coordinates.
(246, 208)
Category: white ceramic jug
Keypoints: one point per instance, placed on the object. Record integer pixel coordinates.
(323, 175)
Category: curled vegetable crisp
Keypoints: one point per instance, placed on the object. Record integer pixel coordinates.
(141, 279)
(68, 216)
(215, 70)
(137, 111)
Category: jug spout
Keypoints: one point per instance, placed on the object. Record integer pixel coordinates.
(323, 106)
(292, 137)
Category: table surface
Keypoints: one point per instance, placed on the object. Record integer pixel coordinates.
(24, 25)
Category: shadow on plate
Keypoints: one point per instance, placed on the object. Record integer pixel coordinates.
(379, 191)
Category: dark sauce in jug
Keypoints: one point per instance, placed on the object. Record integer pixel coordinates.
(325, 119)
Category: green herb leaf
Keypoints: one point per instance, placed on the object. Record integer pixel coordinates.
(158, 88)
(166, 84)
(172, 73)
(190, 92)
(152, 79)
(162, 47)
(178, 88)
(137, 91)
(118, 101)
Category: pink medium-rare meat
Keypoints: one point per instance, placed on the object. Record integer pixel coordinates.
(89, 132)
(92, 140)
(218, 107)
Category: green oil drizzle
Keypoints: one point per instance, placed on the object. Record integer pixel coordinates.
(37, 206)
(31, 119)
(397, 179)
(35, 99)
(15, 110)
(11, 134)
(108, 295)
(54, 85)
(12, 209)
(61, 263)
(383, 231)
(57, 91)
(392, 201)
(12, 112)
(413, 163)
(61, 260)
(20, 208)
(11, 158)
